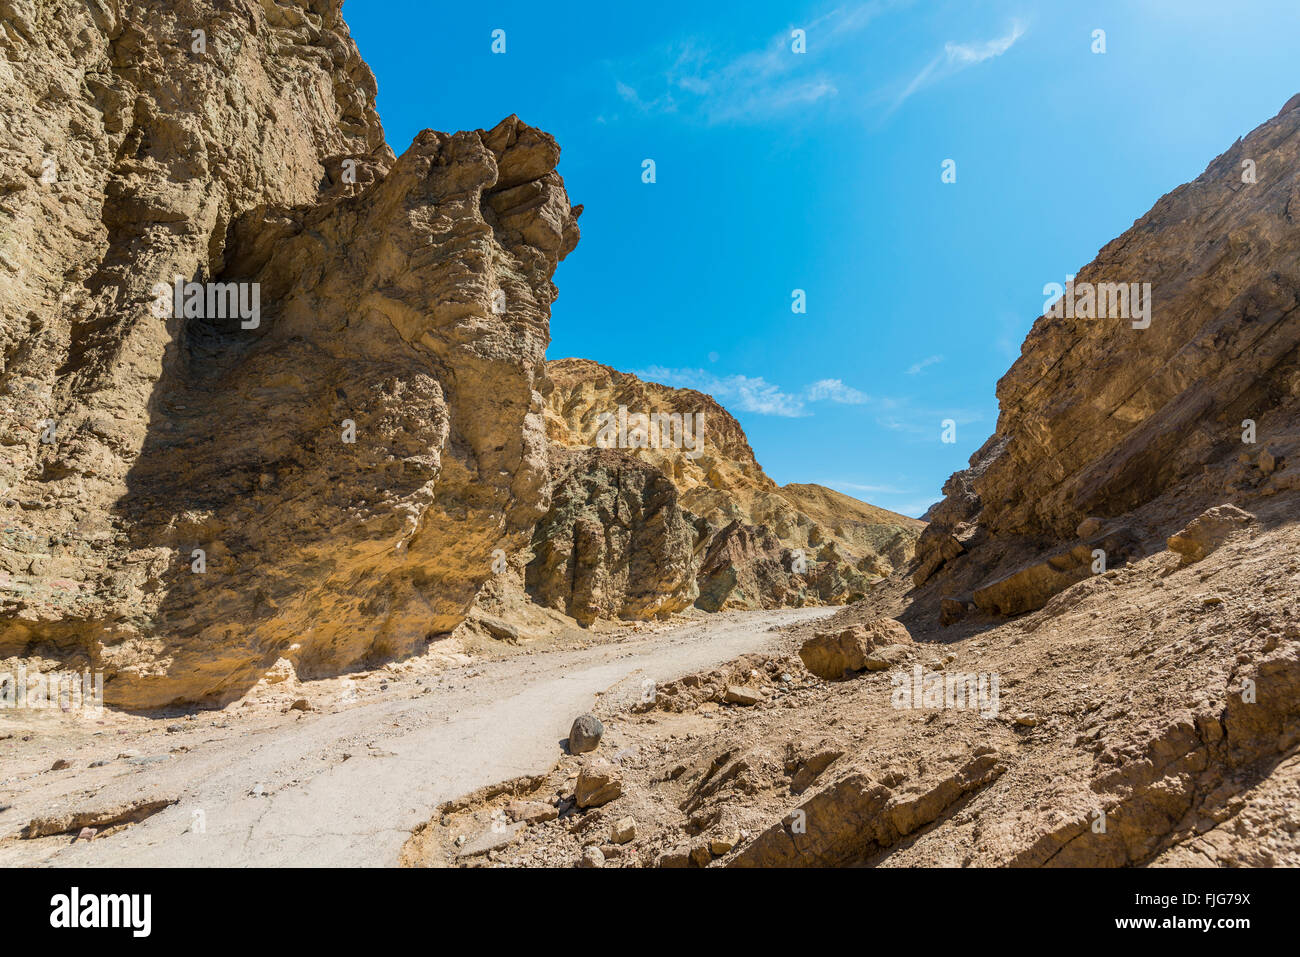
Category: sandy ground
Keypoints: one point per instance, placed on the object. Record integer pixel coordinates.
(342, 784)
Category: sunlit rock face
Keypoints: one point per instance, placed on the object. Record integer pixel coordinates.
(314, 455)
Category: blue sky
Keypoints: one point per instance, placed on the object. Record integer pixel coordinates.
(821, 171)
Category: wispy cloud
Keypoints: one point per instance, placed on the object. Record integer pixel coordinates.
(742, 393)
(756, 394)
(724, 86)
(957, 57)
(834, 390)
(868, 489)
(916, 367)
(745, 393)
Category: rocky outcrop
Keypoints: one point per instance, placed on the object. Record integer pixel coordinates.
(1136, 424)
(193, 495)
(763, 545)
(615, 543)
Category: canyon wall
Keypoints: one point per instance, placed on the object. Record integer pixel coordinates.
(1113, 435)
(190, 496)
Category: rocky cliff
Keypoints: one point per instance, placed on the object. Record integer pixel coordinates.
(1117, 428)
(269, 390)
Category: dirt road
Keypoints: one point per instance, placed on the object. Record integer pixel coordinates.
(345, 787)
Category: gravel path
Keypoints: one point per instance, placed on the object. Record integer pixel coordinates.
(346, 788)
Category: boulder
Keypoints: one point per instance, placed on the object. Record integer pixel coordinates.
(742, 695)
(531, 812)
(585, 734)
(838, 655)
(623, 830)
(598, 784)
(1208, 531)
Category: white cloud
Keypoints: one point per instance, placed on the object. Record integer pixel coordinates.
(745, 393)
(725, 86)
(756, 394)
(835, 391)
(957, 57)
(916, 367)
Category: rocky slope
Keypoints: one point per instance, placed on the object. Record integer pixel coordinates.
(348, 454)
(1112, 436)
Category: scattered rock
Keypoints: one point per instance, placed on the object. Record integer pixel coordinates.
(531, 812)
(677, 857)
(127, 813)
(1209, 530)
(86, 834)
(60, 765)
(598, 784)
(585, 734)
(300, 704)
(739, 694)
(834, 656)
(489, 840)
(623, 830)
(1089, 527)
(722, 844)
(592, 857)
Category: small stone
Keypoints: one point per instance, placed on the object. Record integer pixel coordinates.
(86, 834)
(301, 704)
(1089, 527)
(490, 840)
(592, 857)
(1025, 720)
(60, 765)
(722, 844)
(700, 855)
(598, 783)
(835, 656)
(623, 830)
(585, 734)
(678, 857)
(739, 694)
(1209, 530)
(531, 812)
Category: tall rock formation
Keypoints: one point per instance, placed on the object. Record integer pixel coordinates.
(189, 496)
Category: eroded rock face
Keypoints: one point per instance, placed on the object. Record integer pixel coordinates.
(616, 542)
(348, 458)
(1104, 421)
(759, 533)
